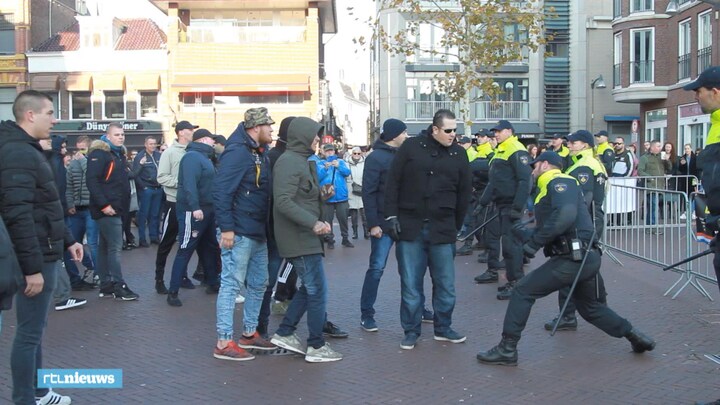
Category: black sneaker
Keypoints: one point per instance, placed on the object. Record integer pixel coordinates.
(82, 285)
(346, 242)
(122, 292)
(331, 330)
(107, 290)
(173, 300)
(160, 287)
(143, 244)
(187, 284)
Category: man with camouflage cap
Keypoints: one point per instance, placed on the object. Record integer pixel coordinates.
(241, 193)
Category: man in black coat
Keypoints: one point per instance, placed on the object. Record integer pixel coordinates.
(33, 215)
(426, 198)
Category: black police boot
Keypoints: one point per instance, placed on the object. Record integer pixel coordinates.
(640, 342)
(466, 249)
(506, 293)
(490, 276)
(483, 257)
(504, 354)
(567, 322)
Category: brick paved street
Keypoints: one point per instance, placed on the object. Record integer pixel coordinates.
(166, 352)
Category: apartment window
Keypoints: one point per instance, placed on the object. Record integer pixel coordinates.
(148, 103)
(7, 34)
(684, 50)
(617, 59)
(656, 125)
(617, 8)
(704, 41)
(642, 54)
(641, 5)
(114, 106)
(559, 47)
(430, 48)
(80, 105)
(7, 97)
(197, 99)
(265, 98)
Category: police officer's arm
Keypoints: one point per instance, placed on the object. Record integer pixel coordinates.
(519, 161)
(562, 193)
(585, 177)
(371, 192)
(463, 195)
(392, 187)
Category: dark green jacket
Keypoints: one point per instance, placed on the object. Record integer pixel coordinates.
(296, 193)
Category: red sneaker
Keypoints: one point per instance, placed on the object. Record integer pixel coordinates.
(232, 352)
(255, 342)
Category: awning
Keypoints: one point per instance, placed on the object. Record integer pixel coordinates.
(145, 81)
(44, 82)
(79, 82)
(621, 118)
(109, 81)
(241, 82)
(527, 128)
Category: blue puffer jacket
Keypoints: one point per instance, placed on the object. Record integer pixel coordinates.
(242, 187)
(195, 178)
(325, 175)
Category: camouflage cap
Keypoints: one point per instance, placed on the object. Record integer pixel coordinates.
(257, 116)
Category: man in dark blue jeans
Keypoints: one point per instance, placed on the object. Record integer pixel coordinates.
(426, 199)
(33, 215)
(150, 194)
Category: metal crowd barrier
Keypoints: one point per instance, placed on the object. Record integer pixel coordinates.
(651, 219)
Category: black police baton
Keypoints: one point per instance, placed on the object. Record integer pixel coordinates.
(478, 228)
(689, 259)
(574, 284)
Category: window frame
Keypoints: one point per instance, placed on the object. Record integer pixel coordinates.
(651, 54)
(104, 105)
(72, 106)
(141, 113)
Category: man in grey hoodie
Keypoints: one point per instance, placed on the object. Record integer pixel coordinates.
(296, 212)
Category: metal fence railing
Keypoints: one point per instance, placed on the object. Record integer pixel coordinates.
(651, 219)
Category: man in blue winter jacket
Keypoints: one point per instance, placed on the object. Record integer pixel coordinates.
(195, 214)
(333, 170)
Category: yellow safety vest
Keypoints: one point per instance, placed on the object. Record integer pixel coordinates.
(588, 159)
(603, 147)
(506, 149)
(484, 150)
(546, 178)
(714, 134)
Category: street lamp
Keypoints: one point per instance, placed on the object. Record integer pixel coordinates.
(672, 8)
(598, 83)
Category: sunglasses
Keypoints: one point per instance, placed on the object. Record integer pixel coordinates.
(449, 130)
(357, 153)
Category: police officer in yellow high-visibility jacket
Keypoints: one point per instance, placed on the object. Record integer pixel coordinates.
(707, 94)
(508, 188)
(557, 145)
(591, 176)
(605, 151)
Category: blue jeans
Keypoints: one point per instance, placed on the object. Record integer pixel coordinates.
(26, 356)
(379, 252)
(413, 258)
(274, 263)
(651, 209)
(195, 235)
(81, 224)
(109, 248)
(310, 297)
(149, 202)
(246, 263)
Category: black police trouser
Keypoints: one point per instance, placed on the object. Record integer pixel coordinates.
(558, 272)
(511, 247)
(600, 294)
(491, 235)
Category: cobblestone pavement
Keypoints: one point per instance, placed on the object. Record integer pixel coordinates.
(166, 352)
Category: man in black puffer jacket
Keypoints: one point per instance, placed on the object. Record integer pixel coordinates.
(31, 210)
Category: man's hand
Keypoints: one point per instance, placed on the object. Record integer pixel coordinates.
(71, 211)
(227, 239)
(109, 211)
(198, 215)
(35, 283)
(336, 163)
(394, 230)
(321, 228)
(376, 232)
(516, 214)
(76, 251)
(143, 160)
(529, 250)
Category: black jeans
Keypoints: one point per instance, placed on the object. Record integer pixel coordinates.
(109, 249)
(554, 274)
(491, 235)
(354, 219)
(340, 210)
(511, 247)
(26, 356)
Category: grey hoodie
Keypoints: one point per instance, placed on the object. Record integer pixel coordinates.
(296, 192)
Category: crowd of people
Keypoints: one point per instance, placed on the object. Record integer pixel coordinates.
(260, 219)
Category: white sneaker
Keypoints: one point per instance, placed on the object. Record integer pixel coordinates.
(70, 303)
(53, 398)
(239, 299)
(683, 216)
(322, 355)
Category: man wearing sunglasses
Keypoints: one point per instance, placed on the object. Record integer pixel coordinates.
(508, 188)
(426, 197)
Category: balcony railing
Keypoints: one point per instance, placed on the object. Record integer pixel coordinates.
(684, 66)
(704, 58)
(424, 110)
(501, 110)
(233, 35)
(617, 74)
(641, 71)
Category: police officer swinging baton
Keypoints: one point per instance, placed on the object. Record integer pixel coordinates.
(574, 284)
(478, 228)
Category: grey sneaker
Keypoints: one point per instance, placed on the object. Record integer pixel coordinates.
(322, 355)
(449, 336)
(409, 341)
(291, 342)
